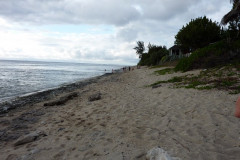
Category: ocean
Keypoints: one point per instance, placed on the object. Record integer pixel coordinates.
(18, 78)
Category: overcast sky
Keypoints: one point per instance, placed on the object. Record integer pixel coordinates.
(95, 31)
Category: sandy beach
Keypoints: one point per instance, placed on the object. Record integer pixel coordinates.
(126, 122)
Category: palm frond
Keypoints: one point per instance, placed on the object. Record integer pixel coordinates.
(235, 12)
(230, 16)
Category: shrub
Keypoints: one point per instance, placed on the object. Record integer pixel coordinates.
(153, 56)
(216, 54)
(198, 33)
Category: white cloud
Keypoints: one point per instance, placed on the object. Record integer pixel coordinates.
(37, 44)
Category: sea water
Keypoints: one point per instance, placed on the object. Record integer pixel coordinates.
(22, 77)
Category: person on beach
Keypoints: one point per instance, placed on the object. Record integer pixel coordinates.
(129, 68)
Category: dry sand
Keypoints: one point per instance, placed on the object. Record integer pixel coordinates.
(127, 121)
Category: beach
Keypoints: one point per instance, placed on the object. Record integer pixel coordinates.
(124, 120)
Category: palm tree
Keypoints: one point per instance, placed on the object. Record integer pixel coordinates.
(140, 48)
(234, 13)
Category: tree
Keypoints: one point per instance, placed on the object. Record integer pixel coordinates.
(154, 55)
(233, 19)
(139, 48)
(234, 13)
(198, 33)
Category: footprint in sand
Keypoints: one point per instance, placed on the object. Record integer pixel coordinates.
(103, 124)
(59, 155)
(62, 145)
(73, 149)
(68, 138)
(76, 156)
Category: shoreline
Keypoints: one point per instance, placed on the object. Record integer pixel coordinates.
(46, 94)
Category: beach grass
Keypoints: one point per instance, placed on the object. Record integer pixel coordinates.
(164, 71)
(224, 78)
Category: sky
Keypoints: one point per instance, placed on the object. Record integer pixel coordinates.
(95, 31)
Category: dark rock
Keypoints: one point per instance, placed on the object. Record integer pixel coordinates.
(94, 97)
(38, 113)
(156, 86)
(19, 126)
(1, 133)
(7, 135)
(62, 100)
(30, 138)
(60, 129)
(24, 119)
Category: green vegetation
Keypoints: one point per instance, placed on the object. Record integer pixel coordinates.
(212, 78)
(167, 64)
(139, 48)
(165, 71)
(153, 56)
(198, 33)
(217, 54)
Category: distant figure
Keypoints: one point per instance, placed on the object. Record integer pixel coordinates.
(129, 68)
(105, 70)
(112, 70)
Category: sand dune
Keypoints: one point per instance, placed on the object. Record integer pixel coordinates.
(127, 121)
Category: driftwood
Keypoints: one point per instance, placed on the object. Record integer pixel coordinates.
(30, 138)
(62, 100)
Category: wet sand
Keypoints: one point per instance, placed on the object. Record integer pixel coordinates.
(128, 120)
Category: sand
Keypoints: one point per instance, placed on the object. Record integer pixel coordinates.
(128, 120)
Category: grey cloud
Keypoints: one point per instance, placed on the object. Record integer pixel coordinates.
(167, 9)
(102, 54)
(113, 12)
(129, 33)
(95, 55)
(68, 11)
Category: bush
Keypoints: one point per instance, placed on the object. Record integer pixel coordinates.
(216, 54)
(198, 33)
(154, 55)
(144, 59)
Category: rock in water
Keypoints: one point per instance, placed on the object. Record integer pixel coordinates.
(94, 97)
(30, 138)
(157, 153)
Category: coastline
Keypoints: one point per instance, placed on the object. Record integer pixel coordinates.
(46, 94)
(126, 122)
